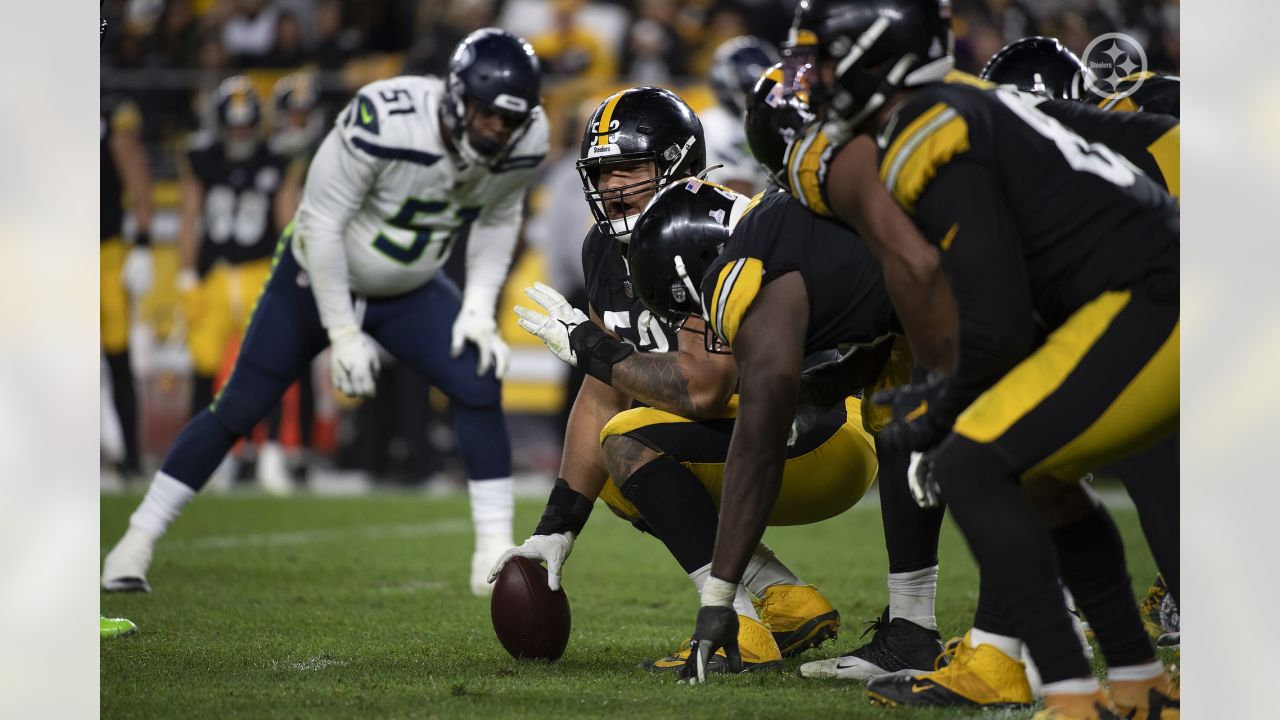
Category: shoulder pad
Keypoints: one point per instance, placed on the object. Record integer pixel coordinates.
(370, 123)
(806, 159)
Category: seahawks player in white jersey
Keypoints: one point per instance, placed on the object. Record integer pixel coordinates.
(411, 164)
(735, 67)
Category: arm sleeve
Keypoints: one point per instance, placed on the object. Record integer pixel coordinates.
(963, 213)
(336, 185)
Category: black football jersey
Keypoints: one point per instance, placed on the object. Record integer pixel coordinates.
(1148, 140)
(604, 265)
(1085, 220)
(775, 235)
(114, 111)
(1146, 92)
(238, 224)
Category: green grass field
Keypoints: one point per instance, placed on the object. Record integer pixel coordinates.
(320, 607)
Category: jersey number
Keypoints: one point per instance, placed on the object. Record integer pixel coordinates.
(242, 216)
(1080, 155)
(408, 218)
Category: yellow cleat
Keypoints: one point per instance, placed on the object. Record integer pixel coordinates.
(798, 616)
(758, 648)
(975, 677)
(1062, 706)
(1156, 609)
(1155, 699)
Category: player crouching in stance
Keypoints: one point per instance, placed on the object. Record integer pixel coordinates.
(661, 466)
(411, 163)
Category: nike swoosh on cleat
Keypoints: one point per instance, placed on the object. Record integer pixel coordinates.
(919, 689)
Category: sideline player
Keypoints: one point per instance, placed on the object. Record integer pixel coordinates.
(660, 466)
(125, 271)
(237, 196)
(411, 163)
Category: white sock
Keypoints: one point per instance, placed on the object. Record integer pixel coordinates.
(741, 600)
(1010, 646)
(164, 501)
(1146, 671)
(492, 510)
(1074, 686)
(911, 596)
(765, 570)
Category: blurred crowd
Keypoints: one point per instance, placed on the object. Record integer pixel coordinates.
(168, 56)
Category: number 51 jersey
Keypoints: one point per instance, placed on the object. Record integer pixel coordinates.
(385, 180)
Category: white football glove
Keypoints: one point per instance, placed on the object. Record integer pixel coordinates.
(553, 330)
(137, 273)
(924, 488)
(478, 327)
(552, 549)
(354, 361)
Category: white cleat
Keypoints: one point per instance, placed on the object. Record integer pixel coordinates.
(482, 560)
(125, 568)
(273, 471)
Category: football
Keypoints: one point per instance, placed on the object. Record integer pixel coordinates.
(530, 620)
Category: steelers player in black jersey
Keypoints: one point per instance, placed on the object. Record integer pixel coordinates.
(1150, 140)
(237, 196)
(1030, 225)
(1042, 66)
(124, 270)
(660, 464)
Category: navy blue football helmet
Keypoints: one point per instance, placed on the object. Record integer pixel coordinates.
(496, 71)
(736, 66)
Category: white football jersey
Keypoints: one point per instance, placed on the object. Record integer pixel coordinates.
(727, 146)
(384, 179)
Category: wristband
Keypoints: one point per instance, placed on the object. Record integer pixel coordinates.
(567, 511)
(597, 351)
(718, 593)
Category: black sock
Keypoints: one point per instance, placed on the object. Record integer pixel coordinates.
(125, 397)
(677, 509)
(1152, 479)
(1015, 554)
(910, 532)
(1091, 554)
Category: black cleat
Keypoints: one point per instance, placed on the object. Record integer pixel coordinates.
(895, 645)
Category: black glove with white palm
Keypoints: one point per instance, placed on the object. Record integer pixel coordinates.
(716, 628)
(570, 334)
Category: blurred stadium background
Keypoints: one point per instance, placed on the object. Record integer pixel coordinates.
(165, 57)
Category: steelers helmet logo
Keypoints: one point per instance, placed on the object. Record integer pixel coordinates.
(1108, 60)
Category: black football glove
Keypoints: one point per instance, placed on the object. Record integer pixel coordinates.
(918, 422)
(717, 628)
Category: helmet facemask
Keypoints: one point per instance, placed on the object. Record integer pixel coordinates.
(479, 150)
(668, 164)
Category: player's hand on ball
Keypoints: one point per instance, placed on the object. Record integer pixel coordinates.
(137, 273)
(552, 549)
(717, 628)
(354, 361)
(917, 424)
(555, 327)
(924, 486)
(473, 325)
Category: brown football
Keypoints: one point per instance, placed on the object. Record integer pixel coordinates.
(530, 620)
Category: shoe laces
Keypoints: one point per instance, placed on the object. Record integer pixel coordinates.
(951, 653)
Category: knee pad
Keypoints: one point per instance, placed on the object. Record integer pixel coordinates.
(246, 399)
(477, 393)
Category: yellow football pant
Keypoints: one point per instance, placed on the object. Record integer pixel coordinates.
(113, 301)
(826, 471)
(219, 308)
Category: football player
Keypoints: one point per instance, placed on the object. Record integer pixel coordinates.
(125, 270)
(237, 196)
(660, 466)
(736, 65)
(410, 164)
(983, 174)
(1150, 140)
(298, 119)
(906, 634)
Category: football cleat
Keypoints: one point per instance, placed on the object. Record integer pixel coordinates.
(976, 677)
(115, 627)
(125, 567)
(1156, 698)
(1159, 610)
(755, 642)
(273, 471)
(483, 559)
(798, 616)
(895, 645)
(1169, 640)
(1094, 706)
